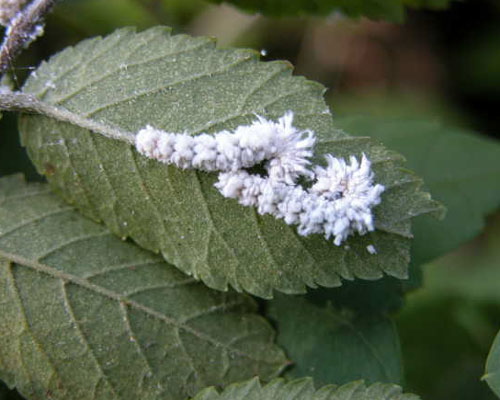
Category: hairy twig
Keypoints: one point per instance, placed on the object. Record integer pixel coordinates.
(22, 30)
(21, 102)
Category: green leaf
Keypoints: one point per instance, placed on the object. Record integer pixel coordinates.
(96, 96)
(87, 316)
(303, 389)
(474, 269)
(459, 357)
(336, 345)
(382, 296)
(460, 168)
(492, 375)
(392, 10)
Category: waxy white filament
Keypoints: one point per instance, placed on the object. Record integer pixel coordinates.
(338, 204)
(9, 9)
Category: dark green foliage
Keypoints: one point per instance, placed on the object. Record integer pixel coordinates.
(460, 168)
(336, 344)
(391, 10)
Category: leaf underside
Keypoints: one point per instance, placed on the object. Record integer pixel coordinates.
(335, 345)
(303, 389)
(85, 315)
(492, 374)
(179, 83)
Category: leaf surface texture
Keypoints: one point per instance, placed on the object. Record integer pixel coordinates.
(88, 316)
(95, 96)
(492, 374)
(303, 389)
(336, 344)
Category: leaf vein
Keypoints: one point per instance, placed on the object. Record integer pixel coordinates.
(70, 242)
(38, 218)
(114, 199)
(226, 119)
(363, 339)
(257, 87)
(172, 285)
(27, 327)
(169, 85)
(147, 195)
(188, 358)
(89, 60)
(210, 219)
(112, 72)
(84, 341)
(116, 268)
(116, 297)
(212, 310)
(133, 339)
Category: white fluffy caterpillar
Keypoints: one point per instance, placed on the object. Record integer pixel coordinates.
(338, 204)
(286, 149)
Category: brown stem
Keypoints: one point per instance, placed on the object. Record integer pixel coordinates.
(22, 30)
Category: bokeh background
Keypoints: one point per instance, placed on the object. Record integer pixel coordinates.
(440, 65)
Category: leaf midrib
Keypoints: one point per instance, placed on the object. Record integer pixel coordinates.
(26, 326)
(100, 78)
(163, 87)
(53, 272)
(30, 104)
(348, 323)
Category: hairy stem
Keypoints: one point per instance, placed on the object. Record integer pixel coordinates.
(16, 101)
(22, 30)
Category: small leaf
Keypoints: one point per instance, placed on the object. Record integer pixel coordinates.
(303, 389)
(460, 168)
(382, 296)
(96, 96)
(492, 374)
(334, 345)
(87, 316)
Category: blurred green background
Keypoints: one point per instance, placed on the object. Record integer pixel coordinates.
(438, 65)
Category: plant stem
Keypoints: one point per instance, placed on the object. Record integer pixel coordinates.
(16, 101)
(23, 29)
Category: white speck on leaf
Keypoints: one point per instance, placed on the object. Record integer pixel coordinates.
(50, 85)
